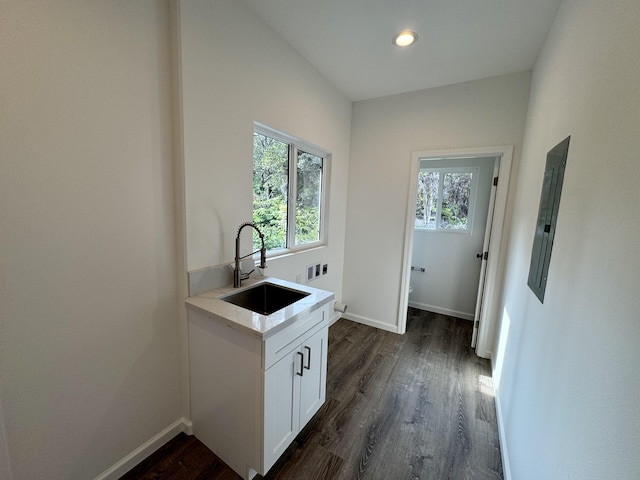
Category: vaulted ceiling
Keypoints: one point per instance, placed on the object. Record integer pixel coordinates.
(349, 41)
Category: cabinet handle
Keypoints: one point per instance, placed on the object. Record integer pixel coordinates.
(308, 366)
(301, 372)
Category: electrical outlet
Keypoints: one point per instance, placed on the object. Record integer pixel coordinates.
(325, 268)
(318, 267)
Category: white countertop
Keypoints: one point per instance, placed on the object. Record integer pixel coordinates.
(254, 323)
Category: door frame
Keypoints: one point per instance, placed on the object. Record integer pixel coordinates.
(490, 298)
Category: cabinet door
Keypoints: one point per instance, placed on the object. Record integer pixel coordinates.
(313, 384)
(281, 406)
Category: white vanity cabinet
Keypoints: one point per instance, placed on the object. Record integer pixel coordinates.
(251, 394)
(295, 388)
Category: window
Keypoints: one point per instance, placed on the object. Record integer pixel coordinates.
(445, 199)
(289, 191)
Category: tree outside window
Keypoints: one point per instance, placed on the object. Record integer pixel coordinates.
(282, 166)
(443, 201)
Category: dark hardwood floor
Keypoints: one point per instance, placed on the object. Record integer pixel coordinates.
(413, 406)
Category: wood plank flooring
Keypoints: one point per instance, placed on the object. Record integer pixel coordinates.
(413, 406)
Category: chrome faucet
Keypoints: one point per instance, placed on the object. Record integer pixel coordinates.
(237, 274)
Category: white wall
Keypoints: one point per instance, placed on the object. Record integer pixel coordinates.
(567, 370)
(236, 70)
(89, 356)
(385, 132)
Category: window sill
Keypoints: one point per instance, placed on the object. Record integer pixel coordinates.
(290, 252)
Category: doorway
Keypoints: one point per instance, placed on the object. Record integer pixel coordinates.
(451, 215)
(485, 281)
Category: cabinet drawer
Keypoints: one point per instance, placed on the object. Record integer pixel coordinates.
(280, 344)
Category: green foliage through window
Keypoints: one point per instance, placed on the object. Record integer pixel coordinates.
(443, 201)
(308, 197)
(286, 222)
(270, 186)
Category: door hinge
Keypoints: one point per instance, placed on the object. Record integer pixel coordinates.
(486, 255)
(495, 181)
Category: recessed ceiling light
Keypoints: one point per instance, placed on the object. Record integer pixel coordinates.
(404, 39)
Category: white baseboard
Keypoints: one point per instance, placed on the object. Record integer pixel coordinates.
(146, 449)
(443, 311)
(371, 322)
(504, 452)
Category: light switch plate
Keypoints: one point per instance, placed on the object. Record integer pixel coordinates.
(311, 270)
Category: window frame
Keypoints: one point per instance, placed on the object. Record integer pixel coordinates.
(295, 145)
(475, 173)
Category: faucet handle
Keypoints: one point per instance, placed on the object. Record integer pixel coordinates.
(244, 276)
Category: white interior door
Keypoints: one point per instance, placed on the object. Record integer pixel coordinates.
(446, 269)
(485, 255)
